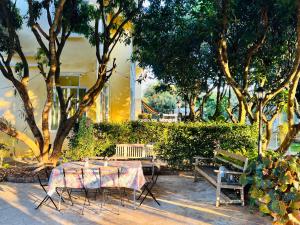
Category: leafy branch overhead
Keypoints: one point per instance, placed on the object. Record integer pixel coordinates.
(173, 40)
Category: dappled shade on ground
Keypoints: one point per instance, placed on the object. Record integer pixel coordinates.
(182, 200)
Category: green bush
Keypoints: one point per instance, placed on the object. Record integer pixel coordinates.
(145, 116)
(81, 143)
(178, 143)
(86, 143)
(275, 188)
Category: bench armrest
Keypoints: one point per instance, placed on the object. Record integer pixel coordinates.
(229, 172)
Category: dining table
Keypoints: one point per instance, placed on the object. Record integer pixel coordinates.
(131, 175)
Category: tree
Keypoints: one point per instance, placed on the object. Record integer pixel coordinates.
(69, 16)
(162, 100)
(262, 35)
(173, 38)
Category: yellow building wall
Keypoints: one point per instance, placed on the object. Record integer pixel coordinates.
(119, 85)
(78, 58)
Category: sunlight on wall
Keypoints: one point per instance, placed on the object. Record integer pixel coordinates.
(9, 94)
(4, 104)
(9, 116)
(34, 99)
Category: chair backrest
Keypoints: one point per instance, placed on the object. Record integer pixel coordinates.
(134, 151)
(91, 178)
(110, 176)
(237, 161)
(73, 177)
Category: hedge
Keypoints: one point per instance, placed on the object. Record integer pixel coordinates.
(178, 143)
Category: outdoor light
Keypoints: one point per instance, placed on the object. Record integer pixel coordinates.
(260, 94)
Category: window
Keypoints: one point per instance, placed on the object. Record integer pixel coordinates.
(104, 104)
(71, 89)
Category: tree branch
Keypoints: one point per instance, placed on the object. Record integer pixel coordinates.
(254, 48)
(6, 128)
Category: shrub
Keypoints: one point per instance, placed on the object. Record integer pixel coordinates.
(178, 143)
(81, 143)
(145, 116)
(85, 142)
(275, 188)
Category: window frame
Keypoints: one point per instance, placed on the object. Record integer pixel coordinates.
(68, 89)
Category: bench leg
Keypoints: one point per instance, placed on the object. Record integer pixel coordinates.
(218, 195)
(242, 197)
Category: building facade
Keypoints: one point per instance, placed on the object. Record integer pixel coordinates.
(120, 99)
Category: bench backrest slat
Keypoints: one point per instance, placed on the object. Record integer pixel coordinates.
(242, 159)
(134, 151)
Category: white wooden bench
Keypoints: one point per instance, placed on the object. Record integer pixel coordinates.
(134, 151)
(209, 169)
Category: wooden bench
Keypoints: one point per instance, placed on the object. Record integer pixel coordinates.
(134, 151)
(209, 169)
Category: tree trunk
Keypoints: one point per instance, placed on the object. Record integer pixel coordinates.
(63, 131)
(192, 115)
(218, 110)
(57, 149)
(242, 112)
(283, 148)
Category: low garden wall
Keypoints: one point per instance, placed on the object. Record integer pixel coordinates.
(177, 143)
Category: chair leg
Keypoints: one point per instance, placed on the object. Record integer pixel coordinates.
(86, 194)
(151, 194)
(59, 195)
(53, 203)
(44, 200)
(141, 193)
(70, 197)
(86, 197)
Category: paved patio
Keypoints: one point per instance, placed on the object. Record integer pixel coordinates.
(183, 202)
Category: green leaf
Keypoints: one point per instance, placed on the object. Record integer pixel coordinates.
(278, 207)
(265, 199)
(295, 205)
(264, 209)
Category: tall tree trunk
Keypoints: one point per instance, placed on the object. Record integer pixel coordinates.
(293, 128)
(62, 133)
(242, 112)
(192, 102)
(218, 110)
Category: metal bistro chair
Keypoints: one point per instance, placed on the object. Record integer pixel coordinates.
(44, 182)
(91, 181)
(151, 179)
(73, 176)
